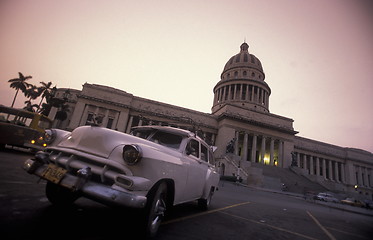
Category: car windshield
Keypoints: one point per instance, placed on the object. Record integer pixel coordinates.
(164, 138)
(142, 133)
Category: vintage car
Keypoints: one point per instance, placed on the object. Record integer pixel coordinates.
(326, 197)
(353, 202)
(151, 169)
(24, 129)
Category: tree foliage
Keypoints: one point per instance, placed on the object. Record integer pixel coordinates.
(46, 93)
(19, 83)
(31, 92)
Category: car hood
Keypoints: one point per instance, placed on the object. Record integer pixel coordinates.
(102, 141)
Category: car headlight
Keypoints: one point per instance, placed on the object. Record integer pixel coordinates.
(131, 154)
(49, 136)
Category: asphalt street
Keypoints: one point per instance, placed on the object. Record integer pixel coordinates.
(237, 212)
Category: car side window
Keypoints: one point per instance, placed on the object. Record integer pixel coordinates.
(204, 153)
(193, 148)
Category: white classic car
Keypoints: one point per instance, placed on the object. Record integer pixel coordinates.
(152, 169)
(326, 197)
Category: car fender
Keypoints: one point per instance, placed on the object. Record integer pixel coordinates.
(212, 181)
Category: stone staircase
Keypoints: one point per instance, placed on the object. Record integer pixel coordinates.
(274, 177)
(270, 177)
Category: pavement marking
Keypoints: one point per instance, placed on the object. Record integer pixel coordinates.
(15, 182)
(203, 213)
(322, 228)
(271, 226)
(347, 233)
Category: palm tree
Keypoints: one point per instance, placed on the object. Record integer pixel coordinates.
(19, 84)
(32, 92)
(50, 102)
(45, 91)
(30, 107)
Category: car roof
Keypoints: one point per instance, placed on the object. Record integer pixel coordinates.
(169, 129)
(166, 128)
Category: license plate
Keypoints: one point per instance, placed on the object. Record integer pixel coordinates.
(53, 173)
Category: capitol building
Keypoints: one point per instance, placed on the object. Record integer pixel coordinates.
(249, 139)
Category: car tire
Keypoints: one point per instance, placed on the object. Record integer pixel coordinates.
(60, 196)
(155, 209)
(204, 204)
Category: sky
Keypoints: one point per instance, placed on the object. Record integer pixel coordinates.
(317, 55)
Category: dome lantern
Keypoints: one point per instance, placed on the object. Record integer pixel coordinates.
(244, 47)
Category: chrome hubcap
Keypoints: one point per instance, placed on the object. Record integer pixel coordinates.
(159, 211)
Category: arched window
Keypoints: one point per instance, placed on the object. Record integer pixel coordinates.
(237, 58)
(252, 59)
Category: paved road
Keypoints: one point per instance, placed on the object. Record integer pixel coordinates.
(237, 212)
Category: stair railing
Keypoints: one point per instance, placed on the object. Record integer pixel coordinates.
(234, 163)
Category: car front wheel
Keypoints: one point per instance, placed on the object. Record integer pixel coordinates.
(155, 209)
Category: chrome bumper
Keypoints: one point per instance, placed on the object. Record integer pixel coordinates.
(92, 190)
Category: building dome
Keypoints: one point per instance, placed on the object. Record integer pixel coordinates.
(242, 83)
(243, 61)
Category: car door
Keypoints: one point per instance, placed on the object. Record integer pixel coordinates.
(197, 170)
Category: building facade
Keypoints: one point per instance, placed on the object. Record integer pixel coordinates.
(240, 126)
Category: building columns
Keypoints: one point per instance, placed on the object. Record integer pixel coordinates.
(366, 181)
(251, 93)
(245, 141)
(129, 125)
(336, 170)
(235, 92)
(280, 154)
(229, 92)
(304, 161)
(330, 170)
(253, 149)
(343, 180)
(360, 175)
(262, 149)
(237, 134)
(298, 159)
(271, 152)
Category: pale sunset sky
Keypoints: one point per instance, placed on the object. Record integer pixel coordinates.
(317, 55)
